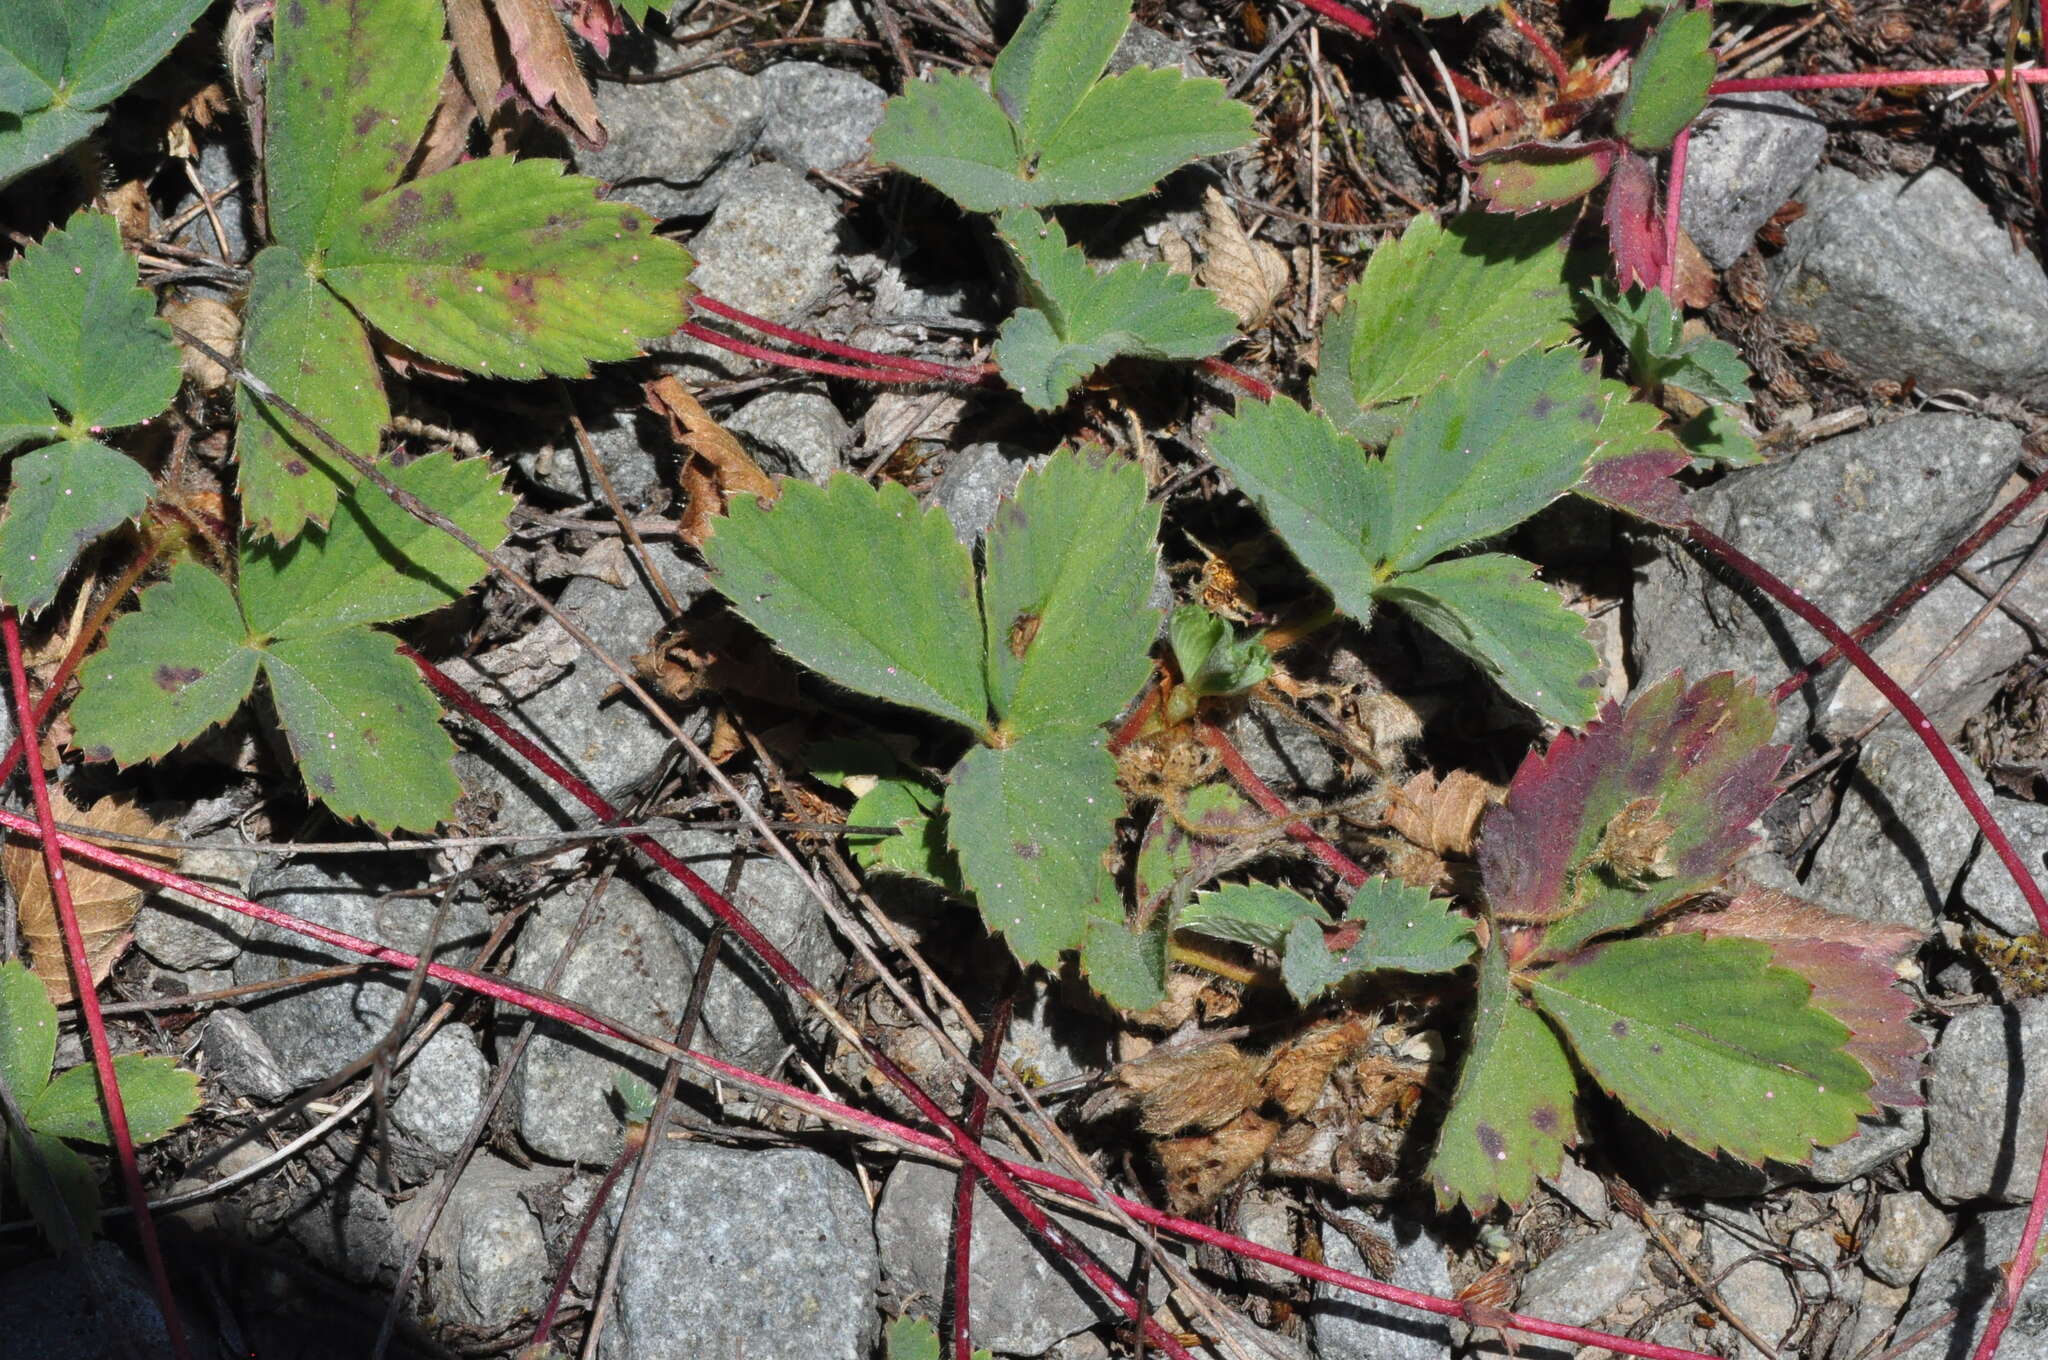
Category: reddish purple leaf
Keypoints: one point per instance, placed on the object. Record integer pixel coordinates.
(1537, 175)
(1635, 224)
(1641, 811)
(1853, 966)
(1640, 484)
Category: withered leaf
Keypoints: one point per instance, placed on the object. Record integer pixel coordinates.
(1193, 1088)
(1247, 276)
(1296, 1075)
(1441, 814)
(105, 903)
(1201, 1167)
(721, 467)
(544, 67)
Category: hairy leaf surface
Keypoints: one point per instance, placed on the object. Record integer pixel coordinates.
(1056, 54)
(1537, 176)
(157, 1095)
(1668, 87)
(64, 496)
(864, 587)
(1514, 1111)
(1128, 967)
(1257, 914)
(1706, 1040)
(1069, 563)
(1398, 927)
(175, 667)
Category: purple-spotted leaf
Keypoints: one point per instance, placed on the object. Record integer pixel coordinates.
(1646, 808)
(1635, 460)
(1853, 966)
(1668, 87)
(1538, 175)
(1514, 1111)
(1189, 845)
(1709, 1041)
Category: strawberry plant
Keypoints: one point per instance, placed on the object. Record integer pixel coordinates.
(1051, 129)
(63, 61)
(498, 266)
(60, 1110)
(84, 354)
(863, 587)
(358, 719)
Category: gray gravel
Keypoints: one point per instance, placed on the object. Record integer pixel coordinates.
(975, 480)
(1984, 1136)
(1022, 1302)
(1901, 837)
(1988, 887)
(181, 932)
(769, 250)
(314, 1031)
(101, 1305)
(799, 433)
(487, 1263)
(1758, 1290)
(671, 138)
(1831, 523)
(786, 1272)
(1348, 1326)
(1966, 1277)
(625, 441)
(1914, 279)
(239, 1058)
(1910, 1230)
(819, 117)
(1749, 153)
(444, 1089)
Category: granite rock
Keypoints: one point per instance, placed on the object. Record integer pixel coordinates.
(1749, 153)
(799, 433)
(1910, 1230)
(671, 138)
(1965, 1277)
(818, 117)
(767, 250)
(182, 932)
(1348, 1326)
(1901, 837)
(444, 1090)
(1984, 1131)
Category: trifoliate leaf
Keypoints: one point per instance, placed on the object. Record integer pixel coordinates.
(364, 729)
(1080, 320)
(1512, 627)
(351, 88)
(1319, 490)
(83, 329)
(1393, 927)
(64, 496)
(1128, 967)
(62, 61)
(1069, 562)
(1553, 853)
(1051, 131)
(305, 344)
(175, 667)
(1654, 331)
(156, 1093)
(1257, 914)
(1211, 658)
(1667, 88)
(509, 268)
(1853, 968)
(1031, 823)
(1514, 1111)
(864, 587)
(1709, 1042)
(1440, 295)
(918, 849)
(377, 563)
(28, 1032)
(1485, 450)
(1536, 176)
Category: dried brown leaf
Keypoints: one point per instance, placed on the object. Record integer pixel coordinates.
(1192, 1088)
(721, 468)
(128, 202)
(447, 139)
(214, 322)
(105, 904)
(480, 59)
(1296, 1075)
(1247, 276)
(544, 66)
(1440, 815)
(1201, 1167)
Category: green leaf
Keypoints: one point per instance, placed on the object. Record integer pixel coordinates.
(351, 88)
(84, 330)
(1069, 562)
(1432, 300)
(28, 1032)
(1715, 436)
(636, 1096)
(1484, 451)
(1212, 659)
(1051, 132)
(1450, 9)
(63, 497)
(76, 1202)
(25, 413)
(1031, 823)
(509, 268)
(915, 1338)
(1080, 320)
(1650, 806)
(1257, 914)
(1651, 327)
(1512, 627)
(1056, 54)
(1513, 1113)
(1319, 490)
(61, 61)
(376, 562)
(1537, 176)
(170, 670)
(918, 850)
(364, 728)
(1668, 87)
(1404, 929)
(859, 584)
(299, 339)
(1171, 854)
(156, 1093)
(1705, 1040)
(1127, 967)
